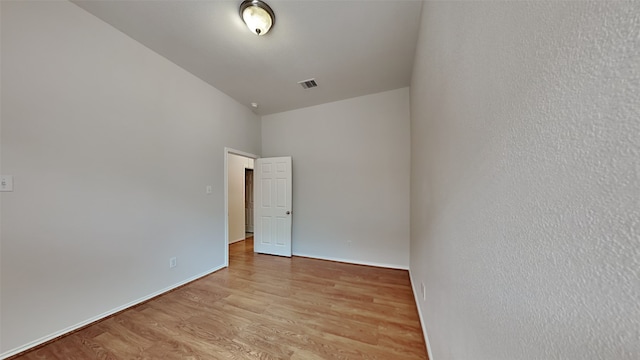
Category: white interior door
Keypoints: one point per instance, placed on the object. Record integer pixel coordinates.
(272, 200)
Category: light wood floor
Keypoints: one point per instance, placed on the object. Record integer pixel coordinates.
(262, 307)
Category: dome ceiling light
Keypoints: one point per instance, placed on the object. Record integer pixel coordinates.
(257, 15)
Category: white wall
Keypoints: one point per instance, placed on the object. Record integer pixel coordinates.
(111, 147)
(350, 177)
(236, 165)
(525, 226)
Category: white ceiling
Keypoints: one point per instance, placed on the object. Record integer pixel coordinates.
(351, 48)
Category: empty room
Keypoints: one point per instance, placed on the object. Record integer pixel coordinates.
(319, 179)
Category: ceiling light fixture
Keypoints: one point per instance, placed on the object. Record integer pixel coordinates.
(257, 15)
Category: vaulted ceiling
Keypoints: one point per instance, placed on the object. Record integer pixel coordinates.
(351, 48)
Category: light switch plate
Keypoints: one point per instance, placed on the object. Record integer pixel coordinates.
(6, 183)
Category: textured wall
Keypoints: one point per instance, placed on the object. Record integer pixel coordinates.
(111, 147)
(350, 177)
(525, 185)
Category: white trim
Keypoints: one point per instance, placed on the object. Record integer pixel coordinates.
(93, 319)
(424, 328)
(357, 262)
(236, 240)
(228, 151)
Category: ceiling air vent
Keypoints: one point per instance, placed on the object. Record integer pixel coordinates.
(308, 84)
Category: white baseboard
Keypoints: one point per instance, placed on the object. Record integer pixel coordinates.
(236, 240)
(93, 319)
(357, 262)
(424, 328)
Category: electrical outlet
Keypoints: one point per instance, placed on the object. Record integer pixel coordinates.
(173, 262)
(209, 189)
(349, 242)
(424, 292)
(6, 183)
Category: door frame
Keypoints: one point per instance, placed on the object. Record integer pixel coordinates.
(228, 151)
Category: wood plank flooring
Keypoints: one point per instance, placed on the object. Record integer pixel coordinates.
(262, 307)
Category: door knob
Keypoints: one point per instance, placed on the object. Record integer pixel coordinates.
(288, 212)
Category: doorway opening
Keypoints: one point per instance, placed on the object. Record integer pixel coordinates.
(238, 173)
(248, 199)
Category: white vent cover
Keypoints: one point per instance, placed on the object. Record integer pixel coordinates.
(308, 84)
